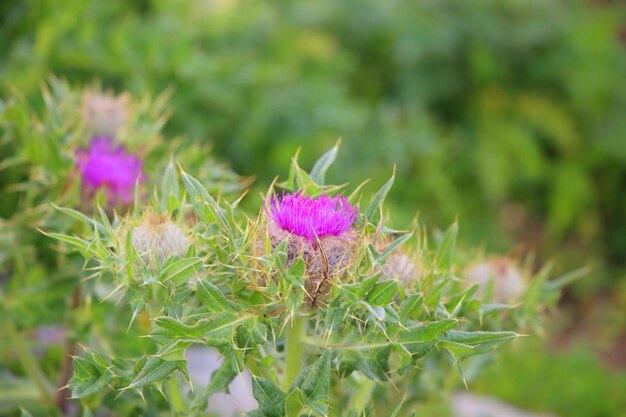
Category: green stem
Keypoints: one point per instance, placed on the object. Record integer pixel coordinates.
(362, 396)
(176, 398)
(294, 349)
(29, 363)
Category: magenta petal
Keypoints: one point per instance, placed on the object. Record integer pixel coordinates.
(313, 218)
(113, 168)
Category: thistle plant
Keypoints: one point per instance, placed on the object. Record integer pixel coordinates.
(301, 294)
(52, 155)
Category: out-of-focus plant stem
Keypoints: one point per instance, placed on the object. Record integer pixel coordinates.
(176, 398)
(362, 395)
(294, 349)
(64, 393)
(29, 363)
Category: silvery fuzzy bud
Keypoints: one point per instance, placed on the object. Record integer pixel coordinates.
(400, 267)
(157, 238)
(105, 113)
(502, 274)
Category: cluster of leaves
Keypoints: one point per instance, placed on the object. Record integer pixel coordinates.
(249, 305)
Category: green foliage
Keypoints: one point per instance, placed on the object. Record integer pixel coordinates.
(598, 389)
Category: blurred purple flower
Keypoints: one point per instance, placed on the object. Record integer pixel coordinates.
(111, 167)
(310, 217)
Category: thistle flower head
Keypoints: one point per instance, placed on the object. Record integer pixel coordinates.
(157, 238)
(313, 218)
(104, 113)
(319, 230)
(113, 168)
(502, 274)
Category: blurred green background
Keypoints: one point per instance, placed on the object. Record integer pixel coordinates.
(507, 114)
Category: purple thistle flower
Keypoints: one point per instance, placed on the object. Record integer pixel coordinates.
(309, 217)
(111, 167)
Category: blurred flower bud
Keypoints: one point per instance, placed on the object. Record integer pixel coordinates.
(320, 230)
(110, 167)
(104, 113)
(400, 267)
(502, 274)
(157, 238)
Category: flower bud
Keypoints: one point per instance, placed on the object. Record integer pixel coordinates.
(502, 274)
(319, 230)
(157, 238)
(400, 267)
(104, 113)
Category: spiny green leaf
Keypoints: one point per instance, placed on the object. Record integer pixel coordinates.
(566, 279)
(372, 212)
(318, 173)
(212, 297)
(533, 295)
(222, 377)
(87, 249)
(131, 256)
(382, 293)
(156, 369)
(271, 399)
(197, 193)
(426, 332)
(169, 186)
(89, 377)
(83, 218)
(180, 270)
(411, 307)
(357, 291)
(464, 344)
(375, 364)
(433, 295)
(294, 403)
(445, 253)
(391, 248)
(216, 331)
(314, 381)
(480, 337)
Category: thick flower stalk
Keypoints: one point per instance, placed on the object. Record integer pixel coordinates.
(320, 229)
(112, 168)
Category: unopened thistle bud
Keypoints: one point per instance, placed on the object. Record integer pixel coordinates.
(320, 229)
(400, 267)
(157, 238)
(104, 113)
(502, 274)
(109, 167)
